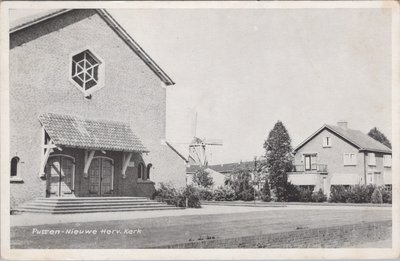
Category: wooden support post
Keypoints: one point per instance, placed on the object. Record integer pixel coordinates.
(126, 158)
(43, 161)
(88, 160)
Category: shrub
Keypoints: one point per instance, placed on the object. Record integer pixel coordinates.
(266, 192)
(202, 178)
(192, 195)
(318, 196)
(292, 192)
(386, 196)
(338, 194)
(241, 182)
(247, 195)
(360, 194)
(168, 194)
(376, 197)
(224, 193)
(206, 194)
(355, 194)
(305, 194)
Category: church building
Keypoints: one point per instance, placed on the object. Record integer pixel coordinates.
(87, 110)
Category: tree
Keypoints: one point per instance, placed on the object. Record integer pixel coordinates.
(202, 178)
(279, 158)
(379, 136)
(241, 182)
(266, 192)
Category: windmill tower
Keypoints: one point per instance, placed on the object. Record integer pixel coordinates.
(198, 153)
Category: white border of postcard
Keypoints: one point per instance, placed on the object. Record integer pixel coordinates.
(204, 254)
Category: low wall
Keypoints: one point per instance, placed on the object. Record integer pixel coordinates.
(327, 237)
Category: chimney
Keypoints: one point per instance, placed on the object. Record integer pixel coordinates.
(342, 124)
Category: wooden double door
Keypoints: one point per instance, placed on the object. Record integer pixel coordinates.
(101, 177)
(60, 171)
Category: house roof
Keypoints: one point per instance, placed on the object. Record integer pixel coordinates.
(26, 22)
(71, 131)
(222, 168)
(357, 138)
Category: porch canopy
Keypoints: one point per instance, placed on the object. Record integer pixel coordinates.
(91, 135)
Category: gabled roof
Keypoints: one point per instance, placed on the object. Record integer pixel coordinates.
(355, 137)
(71, 131)
(115, 26)
(176, 151)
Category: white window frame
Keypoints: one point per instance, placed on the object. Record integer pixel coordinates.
(349, 159)
(371, 159)
(101, 72)
(387, 161)
(328, 143)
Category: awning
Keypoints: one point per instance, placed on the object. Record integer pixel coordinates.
(71, 131)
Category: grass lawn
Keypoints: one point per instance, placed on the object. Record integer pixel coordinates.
(179, 229)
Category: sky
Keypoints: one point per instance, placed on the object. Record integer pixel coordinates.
(242, 70)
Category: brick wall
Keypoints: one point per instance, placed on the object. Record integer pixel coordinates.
(39, 83)
(327, 237)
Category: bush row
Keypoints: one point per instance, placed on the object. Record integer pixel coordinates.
(187, 197)
(360, 194)
(225, 193)
(299, 194)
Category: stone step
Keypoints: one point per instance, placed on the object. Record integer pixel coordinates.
(89, 204)
(90, 198)
(88, 207)
(62, 202)
(97, 210)
(83, 204)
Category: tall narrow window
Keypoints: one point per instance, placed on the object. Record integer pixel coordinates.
(387, 161)
(371, 159)
(140, 171)
(326, 142)
(148, 170)
(14, 167)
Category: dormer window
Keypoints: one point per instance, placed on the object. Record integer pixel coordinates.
(326, 142)
(87, 72)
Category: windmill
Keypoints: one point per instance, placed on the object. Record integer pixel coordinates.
(198, 148)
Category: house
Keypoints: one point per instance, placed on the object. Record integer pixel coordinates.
(218, 172)
(337, 155)
(87, 110)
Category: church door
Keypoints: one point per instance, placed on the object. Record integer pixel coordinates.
(101, 177)
(59, 175)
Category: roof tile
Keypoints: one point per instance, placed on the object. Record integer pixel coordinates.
(71, 131)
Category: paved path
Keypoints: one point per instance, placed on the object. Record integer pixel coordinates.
(31, 219)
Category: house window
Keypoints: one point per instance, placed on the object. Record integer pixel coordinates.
(387, 161)
(141, 171)
(14, 167)
(310, 161)
(148, 170)
(371, 159)
(87, 72)
(326, 142)
(350, 159)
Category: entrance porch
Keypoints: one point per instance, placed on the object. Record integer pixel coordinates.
(86, 158)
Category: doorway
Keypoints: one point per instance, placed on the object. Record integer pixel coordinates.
(101, 176)
(60, 173)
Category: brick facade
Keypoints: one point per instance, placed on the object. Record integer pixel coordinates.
(39, 83)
